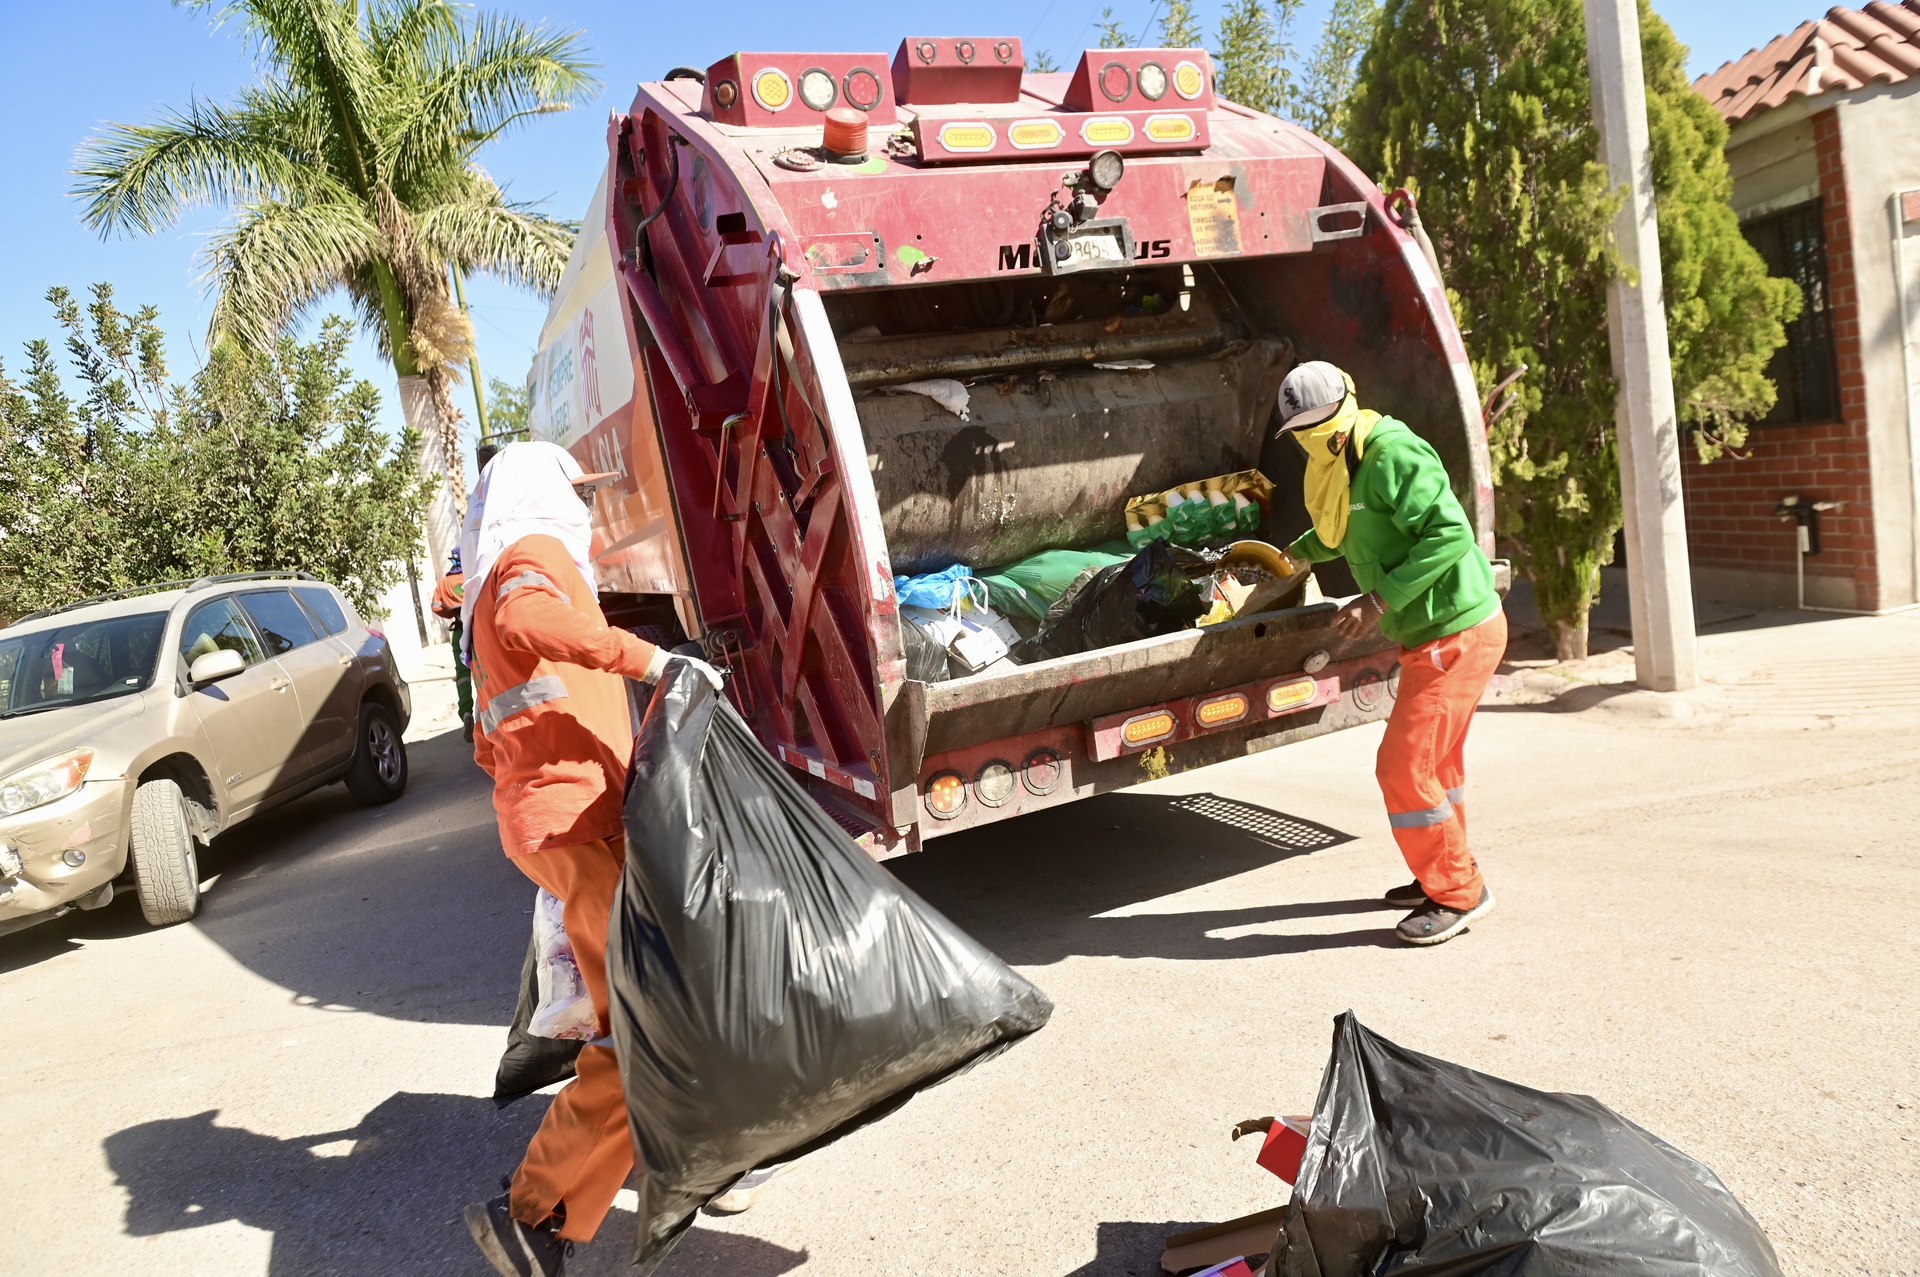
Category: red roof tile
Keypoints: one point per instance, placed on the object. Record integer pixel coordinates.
(1846, 50)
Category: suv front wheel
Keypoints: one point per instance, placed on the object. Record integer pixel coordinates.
(166, 864)
(378, 773)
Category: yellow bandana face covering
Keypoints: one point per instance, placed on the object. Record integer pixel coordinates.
(1328, 485)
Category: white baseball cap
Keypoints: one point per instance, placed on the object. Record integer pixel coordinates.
(1311, 393)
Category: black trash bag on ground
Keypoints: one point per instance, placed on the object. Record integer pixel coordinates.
(530, 1063)
(772, 987)
(1418, 1166)
(1151, 593)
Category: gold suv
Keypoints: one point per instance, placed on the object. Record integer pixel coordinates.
(135, 727)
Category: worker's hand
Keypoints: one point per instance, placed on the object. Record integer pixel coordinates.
(1357, 617)
(663, 661)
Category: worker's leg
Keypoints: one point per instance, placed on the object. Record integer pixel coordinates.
(462, 678)
(583, 1151)
(1440, 684)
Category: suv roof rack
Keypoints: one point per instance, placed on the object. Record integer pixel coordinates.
(196, 583)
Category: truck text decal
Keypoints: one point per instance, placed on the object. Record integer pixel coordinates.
(1020, 256)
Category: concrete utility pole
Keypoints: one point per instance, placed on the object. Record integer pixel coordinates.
(1666, 655)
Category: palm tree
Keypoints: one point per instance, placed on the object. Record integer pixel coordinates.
(350, 165)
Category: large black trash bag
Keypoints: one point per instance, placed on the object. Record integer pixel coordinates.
(772, 987)
(1418, 1166)
(530, 1063)
(1151, 593)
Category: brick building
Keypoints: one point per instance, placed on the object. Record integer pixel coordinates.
(1825, 156)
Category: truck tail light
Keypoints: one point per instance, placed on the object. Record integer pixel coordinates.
(1285, 696)
(994, 785)
(946, 795)
(1144, 729)
(1218, 711)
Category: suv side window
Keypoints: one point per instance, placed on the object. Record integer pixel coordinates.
(217, 625)
(325, 608)
(283, 622)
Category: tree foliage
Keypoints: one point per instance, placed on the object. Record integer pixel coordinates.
(1255, 54)
(1179, 27)
(1112, 34)
(1331, 73)
(1483, 108)
(262, 460)
(350, 166)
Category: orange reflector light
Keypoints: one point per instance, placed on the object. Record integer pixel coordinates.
(1282, 696)
(1107, 130)
(772, 89)
(1170, 128)
(962, 139)
(1222, 709)
(1035, 135)
(1187, 81)
(1144, 729)
(946, 794)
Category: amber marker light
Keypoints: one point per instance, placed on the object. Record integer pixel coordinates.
(772, 89)
(966, 138)
(1107, 130)
(1285, 696)
(1035, 135)
(946, 795)
(1170, 128)
(1144, 729)
(1220, 710)
(1187, 80)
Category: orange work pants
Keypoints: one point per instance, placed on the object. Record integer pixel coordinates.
(582, 1153)
(1422, 762)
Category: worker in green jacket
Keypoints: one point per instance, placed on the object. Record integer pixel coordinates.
(1380, 497)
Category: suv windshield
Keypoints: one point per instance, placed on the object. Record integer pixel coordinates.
(86, 661)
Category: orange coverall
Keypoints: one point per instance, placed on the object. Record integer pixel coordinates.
(556, 737)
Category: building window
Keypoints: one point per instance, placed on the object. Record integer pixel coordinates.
(1794, 247)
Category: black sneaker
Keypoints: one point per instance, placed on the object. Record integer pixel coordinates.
(1434, 923)
(513, 1248)
(1411, 896)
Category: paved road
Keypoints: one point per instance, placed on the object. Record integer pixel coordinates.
(1700, 922)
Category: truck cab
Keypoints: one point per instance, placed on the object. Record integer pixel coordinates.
(1117, 268)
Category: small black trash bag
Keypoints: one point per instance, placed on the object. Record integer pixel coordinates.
(1418, 1166)
(772, 987)
(1149, 594)
(530, 1063)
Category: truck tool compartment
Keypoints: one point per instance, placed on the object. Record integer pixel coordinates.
(816, 371)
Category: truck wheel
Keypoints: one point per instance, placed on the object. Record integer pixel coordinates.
(166, 864)
(378, 773)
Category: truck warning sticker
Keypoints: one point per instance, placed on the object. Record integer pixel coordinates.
(1213, 212)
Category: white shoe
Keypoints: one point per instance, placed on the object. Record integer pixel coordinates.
(745, 1191)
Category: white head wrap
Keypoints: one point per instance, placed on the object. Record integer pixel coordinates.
(526, 490)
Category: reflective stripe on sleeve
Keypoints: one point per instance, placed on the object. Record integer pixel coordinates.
(1458, 795)
(1420, 819)
(529, 577)
(523, 696)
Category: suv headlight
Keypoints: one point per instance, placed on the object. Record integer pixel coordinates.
(44, 781)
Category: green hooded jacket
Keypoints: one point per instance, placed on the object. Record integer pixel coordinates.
(1409, 541)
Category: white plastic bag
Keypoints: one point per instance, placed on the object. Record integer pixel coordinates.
(566, 1008)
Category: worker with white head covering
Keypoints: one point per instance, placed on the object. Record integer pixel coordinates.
(1380, 496)
(555, 735)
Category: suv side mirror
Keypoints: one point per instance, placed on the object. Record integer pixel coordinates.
(211, 667)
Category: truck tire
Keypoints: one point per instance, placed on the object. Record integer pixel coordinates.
(378, 772)
(166, 861)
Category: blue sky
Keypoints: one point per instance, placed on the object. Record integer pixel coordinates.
(61, 78)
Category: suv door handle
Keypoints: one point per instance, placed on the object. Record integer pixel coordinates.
(280, 684)
(347, 659)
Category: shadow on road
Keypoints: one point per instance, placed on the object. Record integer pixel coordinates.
(381, 1197)
(1033, 891)
(1129, 1249)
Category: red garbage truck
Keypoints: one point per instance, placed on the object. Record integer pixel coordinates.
(1104, 273)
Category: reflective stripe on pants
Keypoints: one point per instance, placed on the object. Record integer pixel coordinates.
(1422, 761)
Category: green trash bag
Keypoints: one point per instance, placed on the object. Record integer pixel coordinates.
(1028, 588)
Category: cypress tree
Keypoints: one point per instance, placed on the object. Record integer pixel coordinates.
(1483, 109)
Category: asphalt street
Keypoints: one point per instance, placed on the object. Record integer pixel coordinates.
(1699, 922)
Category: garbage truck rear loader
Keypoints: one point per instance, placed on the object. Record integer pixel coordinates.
(1117, 266)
